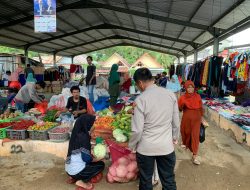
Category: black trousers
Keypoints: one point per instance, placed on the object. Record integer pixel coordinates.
(90, 171)
(165, 165)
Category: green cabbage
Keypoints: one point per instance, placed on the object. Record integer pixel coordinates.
(117, 132)
(100, 151)
(121, 138)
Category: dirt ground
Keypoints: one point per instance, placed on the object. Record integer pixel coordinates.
(225, 166)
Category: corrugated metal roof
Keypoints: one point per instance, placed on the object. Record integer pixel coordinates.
(178, 24)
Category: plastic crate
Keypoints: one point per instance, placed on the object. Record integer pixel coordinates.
(58, 137)
(17, 134)
(3, 133)
(39, 135)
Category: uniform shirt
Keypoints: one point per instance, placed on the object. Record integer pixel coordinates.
(155, 123)
(27, 93)
(90, 72)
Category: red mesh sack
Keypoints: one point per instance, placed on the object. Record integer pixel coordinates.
(117, 151)
(124, 166)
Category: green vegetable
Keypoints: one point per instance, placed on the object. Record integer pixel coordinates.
(127, 108)
(105, 112)
(121, 138)
(99, 151)
(117, 132)
(50, 116)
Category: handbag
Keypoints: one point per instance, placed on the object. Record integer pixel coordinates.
(202, 133)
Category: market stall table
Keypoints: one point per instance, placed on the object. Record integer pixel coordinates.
(241, 135)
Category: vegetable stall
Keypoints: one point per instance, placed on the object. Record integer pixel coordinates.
(109, 135)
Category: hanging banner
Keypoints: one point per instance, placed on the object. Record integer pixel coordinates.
(45, 15)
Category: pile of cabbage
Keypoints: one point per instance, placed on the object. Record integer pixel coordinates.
(123, 170)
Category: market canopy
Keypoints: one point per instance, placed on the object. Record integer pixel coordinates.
(175, 27)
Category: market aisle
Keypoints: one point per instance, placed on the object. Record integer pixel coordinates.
(225, 166)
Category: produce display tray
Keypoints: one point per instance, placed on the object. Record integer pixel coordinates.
(10, 120)
(39, 135)
(3, 133)
(58, 137)
(17, 134)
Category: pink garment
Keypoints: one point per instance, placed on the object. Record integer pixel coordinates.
(15, 75)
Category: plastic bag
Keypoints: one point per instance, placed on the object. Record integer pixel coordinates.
(102, 92)
(202, 133)
(53, 100)
(67, 119)
(60, 102)
(42, 107)
(101, 104)
(15, 84)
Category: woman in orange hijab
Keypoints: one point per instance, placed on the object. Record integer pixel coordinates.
(191, 105)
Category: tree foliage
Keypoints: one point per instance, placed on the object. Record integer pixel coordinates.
(4, 49)
(131, 54)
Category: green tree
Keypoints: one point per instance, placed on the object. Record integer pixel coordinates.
(131, 54)
(9, 50)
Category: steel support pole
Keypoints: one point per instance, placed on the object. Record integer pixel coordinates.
(195, 55)
(216, 46)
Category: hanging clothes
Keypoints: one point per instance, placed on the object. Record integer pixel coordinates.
(171, 70)
(72, 68)
(51, 75)
(205, 73)
(214, 71)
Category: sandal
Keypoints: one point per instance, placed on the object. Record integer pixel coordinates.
(196, 161)
(183, 146)
(70, 180)
(97, 178)
(81, 188)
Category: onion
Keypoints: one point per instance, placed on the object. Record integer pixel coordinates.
(121, 180)
(130, 175)
(132, 166)
(112, 170)
(110, 178)
(123, 161)
(121, 171)
(132, 156)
